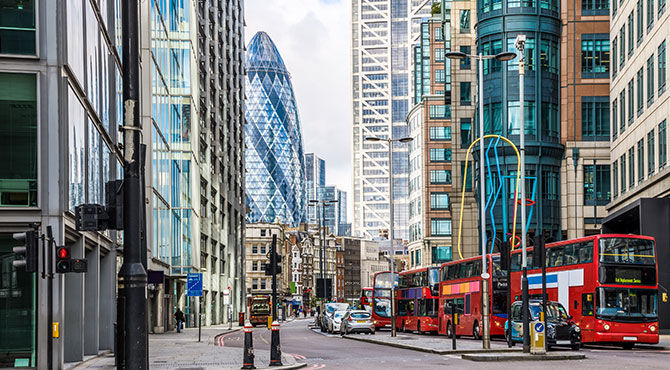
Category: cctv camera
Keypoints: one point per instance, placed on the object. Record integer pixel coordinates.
(520, 42)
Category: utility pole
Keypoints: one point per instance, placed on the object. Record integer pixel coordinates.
(132, 275)
(273, 264)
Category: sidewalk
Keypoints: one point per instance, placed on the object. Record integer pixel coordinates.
(431, 344)
(181, 350)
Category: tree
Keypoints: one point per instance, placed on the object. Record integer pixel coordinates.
(435, 9)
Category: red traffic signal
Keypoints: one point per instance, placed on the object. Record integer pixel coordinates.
(63, 253)
(63, 260)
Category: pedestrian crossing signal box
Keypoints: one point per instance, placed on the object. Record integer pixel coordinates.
(537, 331)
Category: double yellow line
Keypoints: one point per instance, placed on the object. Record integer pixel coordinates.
(516, 192)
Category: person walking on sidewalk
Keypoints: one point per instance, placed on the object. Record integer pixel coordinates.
(179, 316)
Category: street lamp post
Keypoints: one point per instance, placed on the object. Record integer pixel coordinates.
(322, 222)
(391, 221)
(486, 337)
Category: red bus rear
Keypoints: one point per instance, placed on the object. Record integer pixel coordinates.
(259, 309)
(460, 284)
(365, 300)
(607, 282)
(417, 300)
(381, 298)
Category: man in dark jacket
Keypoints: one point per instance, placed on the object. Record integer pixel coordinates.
(179, 316)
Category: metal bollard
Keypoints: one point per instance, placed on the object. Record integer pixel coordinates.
(275, 348)
(248, 361)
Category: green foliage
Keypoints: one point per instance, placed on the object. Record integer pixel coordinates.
(436, 9)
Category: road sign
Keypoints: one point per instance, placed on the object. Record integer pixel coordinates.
(537, 338)
(226, 296)
(194, 284)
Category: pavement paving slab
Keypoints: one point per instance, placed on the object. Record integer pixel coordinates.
(431, 344)
(497, 357)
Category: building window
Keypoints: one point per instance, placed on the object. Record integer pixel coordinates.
(595, 57)
(661, 8)
(614, 55)
(631, 36)
(440, 76)
(254, 249)
(528, 54)
(622, 47)
(438, 34)
(254, 265)
(651, 156)
(465, 93)
(468, 179)
(262, 249)
(640, 91)
(440, 226)
(440, 133)
(596, 7)
(615, 178)
(263, 284)
(640, 161)
(520, 3)
(262, 232)
(549, 121)
(439, 201)
(441, 254)
(440, 155)
(439, 111)
(489, 5)
(596, 184)
(595, 118)
(622, 111)
(18, 141)
(465, 62)
(622, 163)
(650, 80)
(514, 118)
(631, 101)
(549, 56)
(254, 284)
(640, 22)
(17, 27)
(465, 21)
(614, 122)
(551, 185)
(439, 54)
(549, 4)
(631, 167)
(662, 145)
(440, 177)
(493, 112)
(492, 48)
(650, 14)
(614, 8)
(466, 126)
(661, 68)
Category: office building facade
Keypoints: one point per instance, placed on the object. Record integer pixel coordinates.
(382, 35)
(275, 180)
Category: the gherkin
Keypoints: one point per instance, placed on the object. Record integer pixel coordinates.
(274, 152)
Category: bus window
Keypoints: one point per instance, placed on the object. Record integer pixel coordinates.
(402, 282)
(466, 270)
(410, 308)
(477, 269)
(424, 278)
(586, 252)
(432, 307)
(554, 257)
(587, 304)
(516, 262)
(402, 308)
(443, 273)
(467, 304)
(453, 271)
(571, 254)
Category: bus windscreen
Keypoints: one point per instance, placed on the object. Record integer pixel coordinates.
(627, 251)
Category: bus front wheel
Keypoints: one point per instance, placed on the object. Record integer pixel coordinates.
(449, 333)
(475, 331)
(628, 345)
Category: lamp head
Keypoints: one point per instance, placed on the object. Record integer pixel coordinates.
(508, 55)
(406, 139)
(456, 55)
(372, 138)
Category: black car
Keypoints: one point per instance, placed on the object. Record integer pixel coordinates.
(561, 330)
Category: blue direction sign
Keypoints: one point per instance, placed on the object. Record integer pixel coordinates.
(539, 327)
(194, 284)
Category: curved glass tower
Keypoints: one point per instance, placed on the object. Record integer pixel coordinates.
(499, 23)
(274, 153)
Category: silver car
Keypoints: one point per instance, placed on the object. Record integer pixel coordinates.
(335, 320)
(357, 321)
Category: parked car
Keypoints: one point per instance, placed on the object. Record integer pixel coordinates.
(327, 310)
(335, 320)
(357, 321)
(560, 331)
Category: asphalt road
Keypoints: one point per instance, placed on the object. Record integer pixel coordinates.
(328, 351)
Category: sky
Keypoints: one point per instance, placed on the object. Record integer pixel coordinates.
(313, 37)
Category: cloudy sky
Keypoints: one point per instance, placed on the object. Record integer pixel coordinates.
(313, 38)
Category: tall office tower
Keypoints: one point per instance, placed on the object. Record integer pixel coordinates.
(60, 108)
(640, 113)
(585, 116)
(274, 152)
(315, 177)
(221, 130)
(382, 35)
(343, 227)
(498, 24)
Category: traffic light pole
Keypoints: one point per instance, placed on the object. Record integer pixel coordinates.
(132, 275)
(273, 263)
(49, 253)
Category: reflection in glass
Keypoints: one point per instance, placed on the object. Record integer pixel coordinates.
(17, 27)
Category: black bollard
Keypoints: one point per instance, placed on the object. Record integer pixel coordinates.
(248, 348)
(275, 348)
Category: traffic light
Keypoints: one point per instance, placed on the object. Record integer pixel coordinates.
(539, 251)
(504, 248)
(26, 256)
(274, 266)
(63, 260)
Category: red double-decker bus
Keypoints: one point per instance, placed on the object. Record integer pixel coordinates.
(381, 298)
(608, 283)
(418, 300)
(365, 301)
(460, 284)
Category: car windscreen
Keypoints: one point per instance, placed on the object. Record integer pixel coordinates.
(360, 315)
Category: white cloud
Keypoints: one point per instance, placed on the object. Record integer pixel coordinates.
(313, 37)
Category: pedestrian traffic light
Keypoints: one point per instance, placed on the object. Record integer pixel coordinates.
(504, 249)
(25, 256)
(63, 260)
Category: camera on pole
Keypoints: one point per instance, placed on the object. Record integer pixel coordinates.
(26, 256)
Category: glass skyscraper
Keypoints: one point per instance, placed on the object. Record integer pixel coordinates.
(382, 35)
(274, 155)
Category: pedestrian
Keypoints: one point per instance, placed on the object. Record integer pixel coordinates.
(179, 316)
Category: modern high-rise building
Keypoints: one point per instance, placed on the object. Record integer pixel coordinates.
(315, 177)
(383, 33)
(275, 179)
(640, 103)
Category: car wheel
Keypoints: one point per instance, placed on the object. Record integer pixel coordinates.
(628, 345)
(475, 331)
(404, 329)
(449, 333)
(575, 346)
(372, 332)
(508, 337)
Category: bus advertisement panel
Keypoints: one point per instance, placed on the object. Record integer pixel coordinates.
(608, 283)
(381, 298)
(417, 300)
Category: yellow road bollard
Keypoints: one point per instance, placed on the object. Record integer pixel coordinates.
(269, 322)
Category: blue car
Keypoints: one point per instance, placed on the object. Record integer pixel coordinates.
(561, 330)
